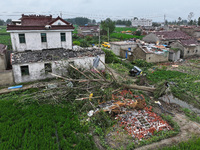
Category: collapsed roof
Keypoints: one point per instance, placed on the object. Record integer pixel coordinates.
(52, 55)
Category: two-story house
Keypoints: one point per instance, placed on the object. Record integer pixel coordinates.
(42, 44)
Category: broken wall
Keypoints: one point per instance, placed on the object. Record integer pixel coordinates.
(191, 51)
(3, 63)
(6, 77)
(116, 48)
(37, 69)
(174, 56)
(154, 58)
(138, 53)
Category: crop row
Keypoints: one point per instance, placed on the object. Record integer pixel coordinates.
(41, 127)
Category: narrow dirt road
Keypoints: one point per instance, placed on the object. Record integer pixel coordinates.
(188, 129)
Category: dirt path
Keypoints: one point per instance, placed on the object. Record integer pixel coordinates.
(188, 129)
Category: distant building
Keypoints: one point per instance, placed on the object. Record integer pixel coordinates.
(88, 30)
(151, 54)
(117, 46)
(141, 22)
(120, 26)
(187, 47)
(176, 39)
(134, 50)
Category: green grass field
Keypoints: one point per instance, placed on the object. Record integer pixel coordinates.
(3, 29)
(123, 36)
(119, 29)
(40, 127)
(4, 36)
(192, 144)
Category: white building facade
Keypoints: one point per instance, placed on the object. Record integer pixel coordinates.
(43, 45)
(40, 32)
(38, 64)
(141, 22)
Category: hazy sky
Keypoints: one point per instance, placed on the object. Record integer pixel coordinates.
(102, 9)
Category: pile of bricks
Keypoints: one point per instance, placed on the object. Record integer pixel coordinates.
(142, 123)
(133, 114)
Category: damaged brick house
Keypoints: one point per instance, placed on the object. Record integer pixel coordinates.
(43, 44)
(188, 47)
(187, 44)
(132, 50)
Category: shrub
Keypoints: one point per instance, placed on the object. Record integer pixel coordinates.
(84, 43)
(142, 63)
(77, 43)
(111, 57)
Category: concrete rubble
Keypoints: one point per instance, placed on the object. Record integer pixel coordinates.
(133, 115)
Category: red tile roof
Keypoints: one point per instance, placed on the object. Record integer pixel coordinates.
(2, 48)
(33, 22)
(189, 42)
(173, 35)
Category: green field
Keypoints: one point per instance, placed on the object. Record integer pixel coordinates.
(119, 29)
(3, 29)
(40, 127)
(192, 144)
(4, 36)
(184, 85)
(123, 36)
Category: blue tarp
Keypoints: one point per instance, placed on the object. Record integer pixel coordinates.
(15, 87)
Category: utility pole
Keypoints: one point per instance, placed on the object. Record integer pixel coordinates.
(164, 18)
(108, 34)
(99, 35)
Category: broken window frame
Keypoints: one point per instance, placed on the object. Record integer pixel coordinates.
(24, 70)
(63, 37)
(43, 37)
(48, 68)
(22, 38)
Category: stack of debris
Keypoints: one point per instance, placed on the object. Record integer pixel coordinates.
(133, 114)
(142, 123)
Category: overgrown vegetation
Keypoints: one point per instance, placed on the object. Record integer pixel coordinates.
(192, 144)
(142, 63)
(193, 116)
(182, 85)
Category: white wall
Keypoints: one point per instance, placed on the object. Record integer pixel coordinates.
(141, 22)
(3, 63)
(36, 70)
(33, 40)
(116, 48)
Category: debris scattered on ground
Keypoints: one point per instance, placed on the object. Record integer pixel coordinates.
(142, 123)
(133, 114)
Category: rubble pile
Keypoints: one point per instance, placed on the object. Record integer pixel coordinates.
(133, 115)
(142, 123)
